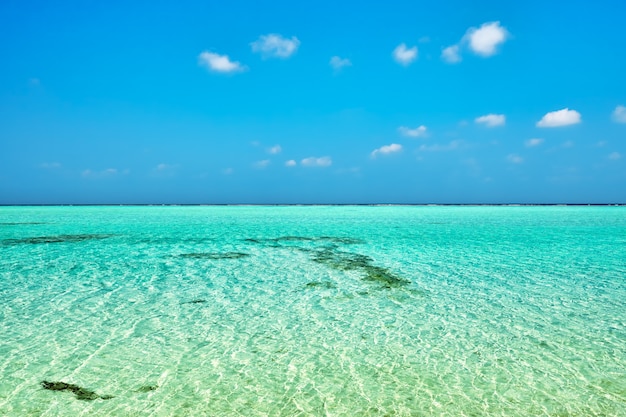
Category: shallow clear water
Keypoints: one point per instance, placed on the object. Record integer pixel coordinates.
(288, 311)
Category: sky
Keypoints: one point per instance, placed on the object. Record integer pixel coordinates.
(312, 102)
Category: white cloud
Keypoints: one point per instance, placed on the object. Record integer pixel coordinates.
(619, 114)
(515, 159)
(338, 63)
(164, 167)
(404, 55)
(274, 45)
(262, 164)
(531, 143)
(452, 146)
(34, 82)
(219, 63)
(485, 40)
(419, 131)
(109, 172)
(563, 117)
(451, 54)
(491, 120)
(50, 165)
(387, 149)
(290, 163)
(614, 156)
(276, 149)
(324, 161)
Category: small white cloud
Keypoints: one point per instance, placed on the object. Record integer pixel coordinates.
(563, 117)
(601, 144)
(109, 172)
(262, 164)
(290, 163)
(219, 63)
(452, 146)
(387, 149)
(419, 131)
(164, 167)
(515, 159)
(485, 40)
(228, 171)
(619, 114)
(274, 45)
(614, 156)
(34, 82)
(274, 150)
(531, 143)
(50, 165)
(324, 161)
(404, 55)
(491, 120)
(451, 54)
(338, 63)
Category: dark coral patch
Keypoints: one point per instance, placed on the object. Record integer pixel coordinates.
(345, 261)
(54, 239)
(80, 392)
(214, 255)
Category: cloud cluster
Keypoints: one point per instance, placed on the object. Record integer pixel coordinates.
(219, 63)
(418, 132)
(274, 45)
(274, 150)
(312, 161)
(403, 55)
(563, 117)
(483, 41)
(386, 149)
(491, 120)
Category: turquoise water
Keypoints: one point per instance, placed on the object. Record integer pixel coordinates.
(313, 311)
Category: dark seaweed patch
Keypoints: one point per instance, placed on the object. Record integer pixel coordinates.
(345, 261)
(198, 301)
(54, 239)
(295, 239)
(21, 223)
(147, 388)
(214, 255)
(321, 284)
(80, 392)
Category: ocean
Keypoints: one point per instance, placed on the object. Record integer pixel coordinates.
(313, 311)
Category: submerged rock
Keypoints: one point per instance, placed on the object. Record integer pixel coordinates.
(80, 392)
(214, 255)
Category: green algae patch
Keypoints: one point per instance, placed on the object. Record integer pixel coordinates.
(214, 255)
(327, 285)
(54, 239)
(81, 393)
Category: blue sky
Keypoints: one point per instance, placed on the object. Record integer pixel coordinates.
(312, 102)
